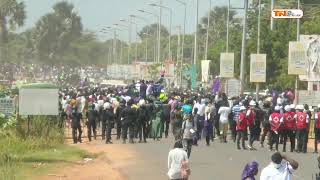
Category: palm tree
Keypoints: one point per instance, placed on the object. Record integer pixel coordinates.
(12, 13)
(55, 31)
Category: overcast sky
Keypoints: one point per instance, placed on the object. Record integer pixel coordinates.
(99, 13)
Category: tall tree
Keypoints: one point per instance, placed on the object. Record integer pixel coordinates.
(12, 14)
(152, 30)
(55, 31)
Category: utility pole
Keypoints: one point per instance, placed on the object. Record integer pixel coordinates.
(208, 27)
(228, 19)
(159, 32)
(243, 47)
(195, 55)
(258, 46)
(179, 60)
(272, 20)
(297, 76)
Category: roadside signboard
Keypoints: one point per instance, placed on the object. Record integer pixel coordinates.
(7, 106)
(227, 65)
(258, 67)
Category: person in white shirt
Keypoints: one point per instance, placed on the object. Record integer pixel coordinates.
(176, 158)
(224, 119)
(280, 168)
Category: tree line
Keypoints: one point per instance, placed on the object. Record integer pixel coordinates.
(59, 38)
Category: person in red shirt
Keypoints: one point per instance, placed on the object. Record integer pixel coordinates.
(275, 128)
(251, 115)
(241, 128)
(302, 120)
(289, 126)
(317, 129)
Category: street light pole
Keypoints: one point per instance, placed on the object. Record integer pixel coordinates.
(228, 19)
(159, 32)
(208, 26)
(170, 27)
(129, 44)
(195, 35)
(258, 46)
(243, 47)
(297, 77)
(184, 26)
(271, 18)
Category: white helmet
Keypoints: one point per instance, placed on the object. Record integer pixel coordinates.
(292, 106)
(106, 105)
(242, 108)
(277, 108)
(318, 105)
(287, 108)
(252, 103)
(142, 102)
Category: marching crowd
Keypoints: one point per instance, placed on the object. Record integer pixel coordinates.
(141, 111)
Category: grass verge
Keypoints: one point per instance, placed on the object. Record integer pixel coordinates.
(29, 158)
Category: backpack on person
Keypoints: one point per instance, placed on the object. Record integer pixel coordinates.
(185, 170)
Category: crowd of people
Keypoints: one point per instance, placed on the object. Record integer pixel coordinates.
(145, 109)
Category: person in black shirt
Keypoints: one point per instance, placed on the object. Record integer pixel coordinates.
(91, 123)
(142, 122)
(108, 118)
(128, 116)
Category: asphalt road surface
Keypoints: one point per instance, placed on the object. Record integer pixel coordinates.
(218, 161)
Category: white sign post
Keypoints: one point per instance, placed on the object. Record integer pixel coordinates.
(38, 102)
(258, 68)
(205, 70)
(232, 87)
(297, 58)
(7, 106)
(227, 65)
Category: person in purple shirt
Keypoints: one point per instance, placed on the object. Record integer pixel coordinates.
(250, 171)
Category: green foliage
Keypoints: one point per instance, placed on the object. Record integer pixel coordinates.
(55, 31)
(19, 157)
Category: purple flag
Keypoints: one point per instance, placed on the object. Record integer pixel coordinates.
(216, 85)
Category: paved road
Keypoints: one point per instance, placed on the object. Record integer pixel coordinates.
(219, 161)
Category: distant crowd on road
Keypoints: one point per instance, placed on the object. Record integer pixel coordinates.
(147, 110)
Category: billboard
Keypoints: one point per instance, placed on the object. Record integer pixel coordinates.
(7, 106)
(205, 70)
(297, 58)
(38, 102)
(227, 65)
(311, 45)
(232, 87)
(312, 98)
(258, 67)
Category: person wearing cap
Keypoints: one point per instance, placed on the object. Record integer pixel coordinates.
(250, 115)
(275, 128)
(108, 118)
(280, 168)
(302, 120)
(289, 127)
(317, 129)
(128, 116)
(241, 128)
(142, 121)
(91, 123)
